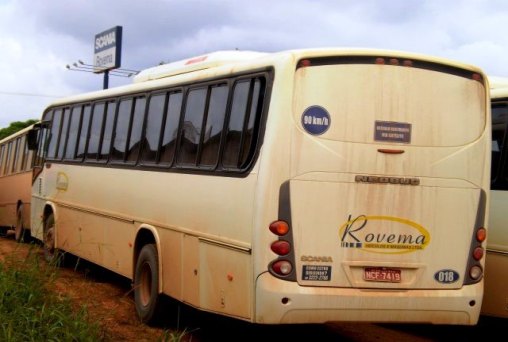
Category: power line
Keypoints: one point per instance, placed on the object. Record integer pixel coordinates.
(27, 94)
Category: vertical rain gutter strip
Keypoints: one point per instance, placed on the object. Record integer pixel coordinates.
(480, 222)
(285, 215)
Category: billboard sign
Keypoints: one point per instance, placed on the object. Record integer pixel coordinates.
(108, 49)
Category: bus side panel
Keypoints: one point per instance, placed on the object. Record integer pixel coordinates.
(172, 262)
(495, 299)
(190, 270)
(99, 239)
(224, 281)
(14, 188)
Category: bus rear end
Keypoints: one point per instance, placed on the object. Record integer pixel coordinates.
(383, 216)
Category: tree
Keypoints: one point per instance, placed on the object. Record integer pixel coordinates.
(14, 127)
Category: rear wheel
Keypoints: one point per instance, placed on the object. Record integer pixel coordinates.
(19, 231)
(146, 284)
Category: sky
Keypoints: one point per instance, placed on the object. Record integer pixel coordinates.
(38, 38)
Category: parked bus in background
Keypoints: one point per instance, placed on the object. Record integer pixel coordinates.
(302, 186)
(495, 302)
(15, 183)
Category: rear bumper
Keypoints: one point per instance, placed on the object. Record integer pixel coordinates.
(279, 301)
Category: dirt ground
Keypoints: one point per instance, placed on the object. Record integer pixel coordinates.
(109, 300)
(107, 296)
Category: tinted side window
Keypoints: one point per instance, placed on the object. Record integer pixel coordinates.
(191, 127)
(153, 129)
(243, 125)
(15, 155)
(121, 130)
(499, 122)
(63, 135)
(25, 164)
(95, 130)
(43, 139)
(170, 136)
(252, 121)
(83, 133)
(233, 141)
(2, 148)
(7, 161)
(214, 124)
(70, 151)
(55, 131)
(136, 129)
(108, 131)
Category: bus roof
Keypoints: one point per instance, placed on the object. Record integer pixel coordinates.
(498, 87)
(224, 62)
(16, 134)
(497, 82)
(210, 60)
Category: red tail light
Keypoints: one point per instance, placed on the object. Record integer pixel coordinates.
(481, 234)
(478, 253)
(279, 228)
(281, 247)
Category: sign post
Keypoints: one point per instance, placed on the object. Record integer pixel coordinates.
(107, 52)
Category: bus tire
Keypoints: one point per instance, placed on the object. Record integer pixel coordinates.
(19, 230)
(51, 253)
(146, 284)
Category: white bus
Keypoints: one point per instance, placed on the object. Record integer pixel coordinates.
(495, 302)
(15, 183)
(303, 186)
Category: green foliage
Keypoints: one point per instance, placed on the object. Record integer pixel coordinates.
(14, 127)
(175, 336)
(30, 311)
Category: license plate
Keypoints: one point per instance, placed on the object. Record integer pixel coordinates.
(384, 274)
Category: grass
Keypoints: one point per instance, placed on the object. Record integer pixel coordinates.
(30, 311)
(175, 336)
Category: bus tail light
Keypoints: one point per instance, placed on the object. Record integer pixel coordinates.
(281, 247)
(279, 228)
(478, 253)
(481, 234)
(282, 267)
(475, 272)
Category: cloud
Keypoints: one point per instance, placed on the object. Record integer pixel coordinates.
(38, 38)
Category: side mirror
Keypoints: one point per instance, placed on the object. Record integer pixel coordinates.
(32, 139)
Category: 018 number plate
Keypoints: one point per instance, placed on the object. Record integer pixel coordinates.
(389, 275)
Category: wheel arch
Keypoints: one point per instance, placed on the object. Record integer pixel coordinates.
(49, 208)
(147, 234)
